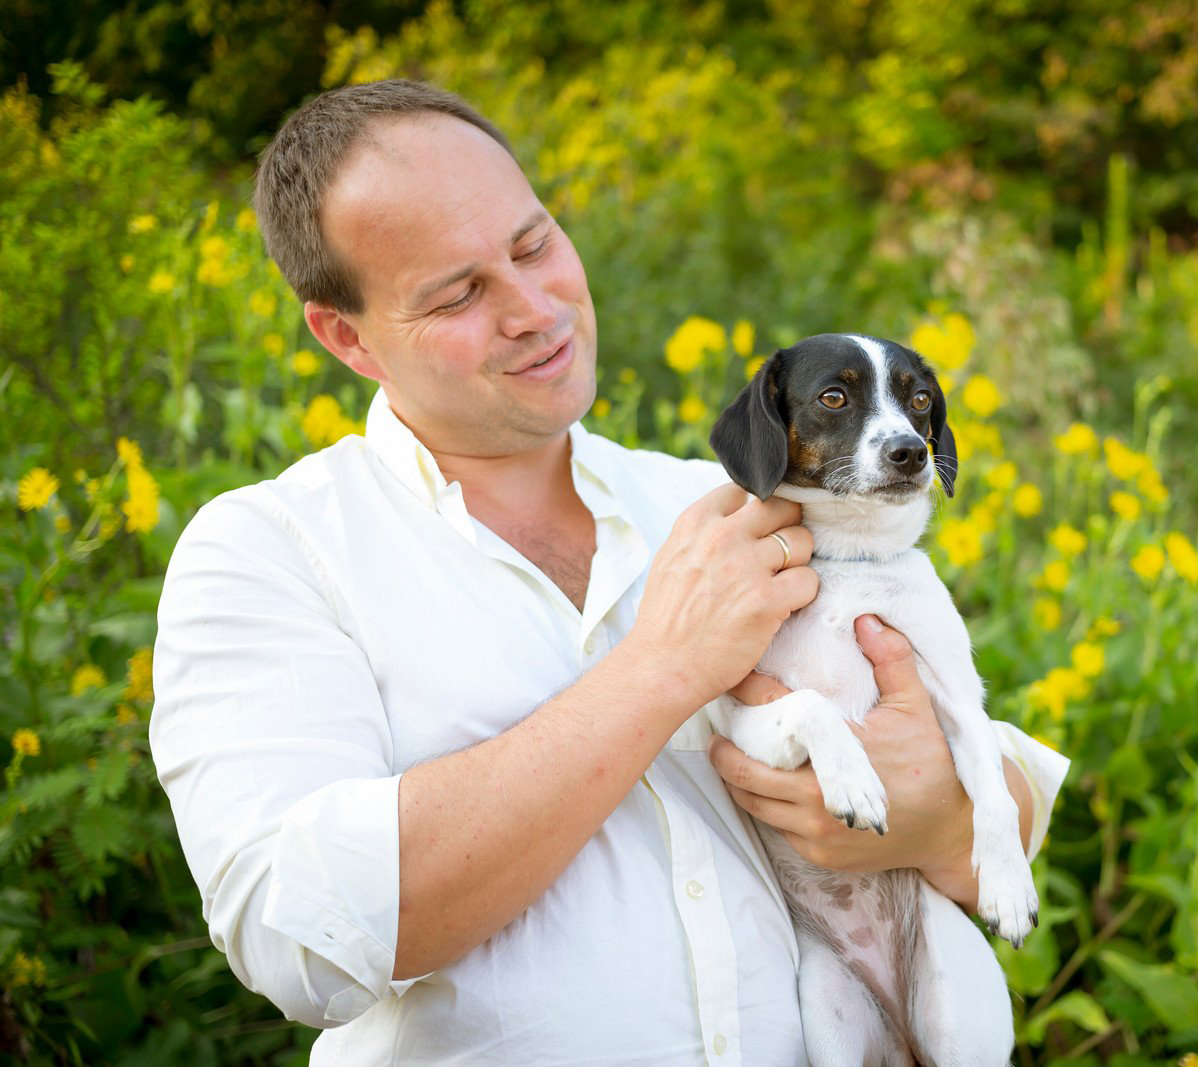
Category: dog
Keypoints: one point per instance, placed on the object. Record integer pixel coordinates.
(891, 972)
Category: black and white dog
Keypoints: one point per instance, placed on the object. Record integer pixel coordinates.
(890, 970)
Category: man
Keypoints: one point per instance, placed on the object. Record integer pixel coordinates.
(427, 715)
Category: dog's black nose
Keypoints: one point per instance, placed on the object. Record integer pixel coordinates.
(907, 453)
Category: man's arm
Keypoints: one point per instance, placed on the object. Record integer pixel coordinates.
(930, 817)
(491, 827)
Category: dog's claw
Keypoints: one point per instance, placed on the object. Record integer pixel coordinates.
(1035, 918)
(849, 819)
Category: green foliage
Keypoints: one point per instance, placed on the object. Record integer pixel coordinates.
(735, 177)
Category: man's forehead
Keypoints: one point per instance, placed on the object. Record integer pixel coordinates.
(420, 195)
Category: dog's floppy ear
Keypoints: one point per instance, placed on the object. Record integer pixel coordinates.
(749, 438)
(944, 447)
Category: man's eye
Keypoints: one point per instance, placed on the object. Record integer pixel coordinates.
(534, 253)
(921, 401)
(460, 303)
(833, 398)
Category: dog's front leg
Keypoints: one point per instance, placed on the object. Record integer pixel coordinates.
(806, 725)
(1007, 899)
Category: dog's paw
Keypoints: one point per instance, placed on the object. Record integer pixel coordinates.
(853, 792)
(1007, 899)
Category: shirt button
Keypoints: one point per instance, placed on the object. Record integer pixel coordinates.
(694, 889)
(589, 646)
(720, 1044)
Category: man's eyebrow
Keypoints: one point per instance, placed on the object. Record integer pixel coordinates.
(427, 291)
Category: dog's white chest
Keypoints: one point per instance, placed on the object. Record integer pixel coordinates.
(816, 648)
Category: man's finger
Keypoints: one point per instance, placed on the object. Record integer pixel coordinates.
(758, 688)
(894, 662)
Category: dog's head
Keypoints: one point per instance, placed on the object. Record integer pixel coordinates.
(848, 414)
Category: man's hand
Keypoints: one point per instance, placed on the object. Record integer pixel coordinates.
(717, 592)
(930, 818)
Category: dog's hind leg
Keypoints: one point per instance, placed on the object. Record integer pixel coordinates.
(960, 1008)
(843, 1026)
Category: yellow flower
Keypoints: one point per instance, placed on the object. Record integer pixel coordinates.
(1078, 440)
(89, 676)
(126, 714)
(1088, 659)
(753, 366)
(976, 437)
(1002, 476)
(962, 541)
(694, 339)
(1047, 613)
(981, 396)
(1124, 463)
(141, 507)
(211, 215)
(141, 676)
(1125, 505)
(743, 337)
(946, 345)
(601, 408)
(214, 248)
(1150, 484)
(1183, 556)
(214, 272)
(263, 302)
(26, 742)
(984, 514)
(692, 409)
(305, 363)
(161, 281)
(1103, 626)
(246, 222)
(1190, 1059)
(127, 262)
(947, 383)
(1066, 540)
(26, 971)
(1027, 500)
(35, 489)
(62, 524)
(142, 224)
(323, 422)
(626, 376)
(1055, 576)
(1056, 690)
(129, 451)
(274, 344)
(1147, 563)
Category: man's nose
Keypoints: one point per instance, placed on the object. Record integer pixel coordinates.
(527, 308)
(906, 453)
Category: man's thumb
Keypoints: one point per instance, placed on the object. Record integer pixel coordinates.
(894, 663)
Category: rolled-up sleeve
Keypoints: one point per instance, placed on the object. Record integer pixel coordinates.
(270, 738)
(1044, 770)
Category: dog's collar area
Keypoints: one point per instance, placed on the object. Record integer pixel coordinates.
(816, 558)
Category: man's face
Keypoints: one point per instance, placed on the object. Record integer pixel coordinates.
(467, 283)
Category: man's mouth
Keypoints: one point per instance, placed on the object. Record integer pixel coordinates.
(548, 364)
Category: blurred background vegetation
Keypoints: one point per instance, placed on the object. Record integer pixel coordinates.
(1010, 186)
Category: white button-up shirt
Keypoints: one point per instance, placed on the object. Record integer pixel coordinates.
(324, 631)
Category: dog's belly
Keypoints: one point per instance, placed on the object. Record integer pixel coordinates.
(816, 648)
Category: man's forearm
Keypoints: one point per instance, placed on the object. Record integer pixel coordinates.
(485, 831)
(956, 878)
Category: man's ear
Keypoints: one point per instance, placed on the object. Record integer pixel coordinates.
(944, 447)
(334, 330)
(749, 438)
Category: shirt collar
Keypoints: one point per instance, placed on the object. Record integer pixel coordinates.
(416, 468)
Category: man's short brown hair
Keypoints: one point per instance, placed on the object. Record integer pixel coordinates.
(300, 163)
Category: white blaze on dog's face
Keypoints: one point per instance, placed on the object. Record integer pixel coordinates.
(848, 414)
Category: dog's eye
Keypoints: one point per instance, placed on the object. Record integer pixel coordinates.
(921, 401)
(833, 398)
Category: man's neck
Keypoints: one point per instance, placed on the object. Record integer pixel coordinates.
(535, 482)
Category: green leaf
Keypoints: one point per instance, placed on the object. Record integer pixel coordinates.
(1173, 997)
(128, 628)
(1077, 1007)
(1128, 771)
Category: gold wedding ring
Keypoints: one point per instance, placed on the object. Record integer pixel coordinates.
(785, 550)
